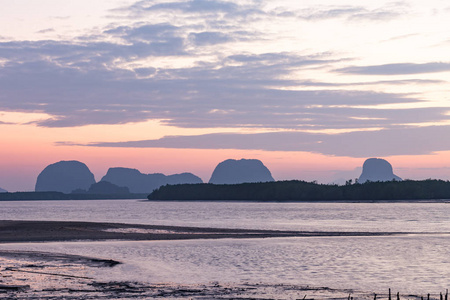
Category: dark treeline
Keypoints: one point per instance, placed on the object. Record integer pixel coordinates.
(62, 196)
(307, 191)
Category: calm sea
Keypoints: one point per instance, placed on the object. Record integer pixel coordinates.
(418, 262)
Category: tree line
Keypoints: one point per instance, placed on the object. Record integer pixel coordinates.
(296, 190)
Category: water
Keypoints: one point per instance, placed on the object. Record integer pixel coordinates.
(399, 217)
(411, 263)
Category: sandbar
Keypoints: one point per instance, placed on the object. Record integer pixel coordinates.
(54, 231)
(44, 275)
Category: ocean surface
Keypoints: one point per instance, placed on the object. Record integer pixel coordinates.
(417, 261)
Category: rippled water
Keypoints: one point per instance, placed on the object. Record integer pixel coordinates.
(411, 263)
(404, 217)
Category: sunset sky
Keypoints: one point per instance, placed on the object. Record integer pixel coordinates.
(311, 88)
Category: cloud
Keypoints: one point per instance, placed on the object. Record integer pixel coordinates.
(205, 22)
(404, 82)
(209, 38)
(330, 13)
(226, 9)
(46, 30)
(89, 55)
(383, 143)
(355, 13)
(377, 15)
(397, 69)
(109, 77)
(402, 37)
(146, 33)
(196, 6)
(79, 86)
(145, 71)
(310, 83)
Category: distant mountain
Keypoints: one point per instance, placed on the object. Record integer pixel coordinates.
(79, 195)
(137, 182)
(65, 176)
(3, 191)
(377, 169)
(233, 171)
(105, 187)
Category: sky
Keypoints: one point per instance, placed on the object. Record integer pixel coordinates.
(311, 88)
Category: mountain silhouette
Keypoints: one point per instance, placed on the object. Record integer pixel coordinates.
(138, 182)
(105, 187)
(233, 171)
(3, 191)
(65, 176)
(377, 169)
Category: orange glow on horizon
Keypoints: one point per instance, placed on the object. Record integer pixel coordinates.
(26, 150)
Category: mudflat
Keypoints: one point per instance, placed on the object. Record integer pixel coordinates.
(56, 276)
(53, 231)
(45, 275)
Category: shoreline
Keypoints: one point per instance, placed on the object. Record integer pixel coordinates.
(64, 231)
(48, 275)
(52, 275)
(143, 199)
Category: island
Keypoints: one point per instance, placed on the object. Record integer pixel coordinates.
(233, 171)
(64, 177)
(377, 169)
(296, 190)
(138, 182)
(19, 196)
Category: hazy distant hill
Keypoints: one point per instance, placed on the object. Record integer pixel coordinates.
(377, 169)
(105, 187)
(65, 176)
(3, 191)
(62, 196)
(233, 171)
(137, 182)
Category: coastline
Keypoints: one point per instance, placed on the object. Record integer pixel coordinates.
(48, 275)
(144, 199)
(64, 231)
(44, 275)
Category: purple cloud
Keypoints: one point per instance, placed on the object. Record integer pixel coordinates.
(396, 141)
(397, 69)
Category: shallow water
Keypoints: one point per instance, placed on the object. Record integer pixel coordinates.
(411, 263)
(398, 217)
(408, 264)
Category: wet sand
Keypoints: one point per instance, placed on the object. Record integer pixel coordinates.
(43, 275)
(53, 231)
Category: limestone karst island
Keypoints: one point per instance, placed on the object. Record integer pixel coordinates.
(244, 179)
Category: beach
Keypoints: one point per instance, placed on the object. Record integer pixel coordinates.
(49, 275)
(42, 275)
(52, 231)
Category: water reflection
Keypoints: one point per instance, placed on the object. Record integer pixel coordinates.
(400, 217)
(409, 264)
